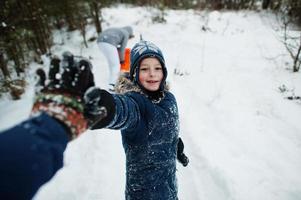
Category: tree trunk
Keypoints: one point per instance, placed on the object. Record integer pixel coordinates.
(83, 31)
(297, 61)
(95, 9)
(15, 56)
(3, 66)
(265, 4)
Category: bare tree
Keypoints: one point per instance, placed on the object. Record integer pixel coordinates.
(95, 8)
(291, 42)
(293, 46)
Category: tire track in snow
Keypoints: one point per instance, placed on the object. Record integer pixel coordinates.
(199, 180)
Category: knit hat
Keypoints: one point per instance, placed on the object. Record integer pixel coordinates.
(141, 50)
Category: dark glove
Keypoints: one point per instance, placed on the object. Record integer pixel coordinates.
(182, 158)
(61, 95)
(99, 107)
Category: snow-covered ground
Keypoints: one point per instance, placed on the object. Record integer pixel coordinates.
(242, 136)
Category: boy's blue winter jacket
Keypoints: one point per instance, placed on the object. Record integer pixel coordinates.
(30, 154)
(149, 135)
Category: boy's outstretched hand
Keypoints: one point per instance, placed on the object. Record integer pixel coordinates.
(99, 107)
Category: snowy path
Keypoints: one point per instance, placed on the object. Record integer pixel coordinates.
(242, 137)
(240, 143)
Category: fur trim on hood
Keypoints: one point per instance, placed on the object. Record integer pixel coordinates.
(125, 85)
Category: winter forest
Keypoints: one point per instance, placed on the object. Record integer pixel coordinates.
(233, 65)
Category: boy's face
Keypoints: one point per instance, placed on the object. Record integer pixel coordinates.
(150, 74)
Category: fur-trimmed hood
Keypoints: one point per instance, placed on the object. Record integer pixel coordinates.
(125, 85)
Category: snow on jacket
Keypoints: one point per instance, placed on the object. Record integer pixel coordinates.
(30, 154)
(117, 37)
(149, 135)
